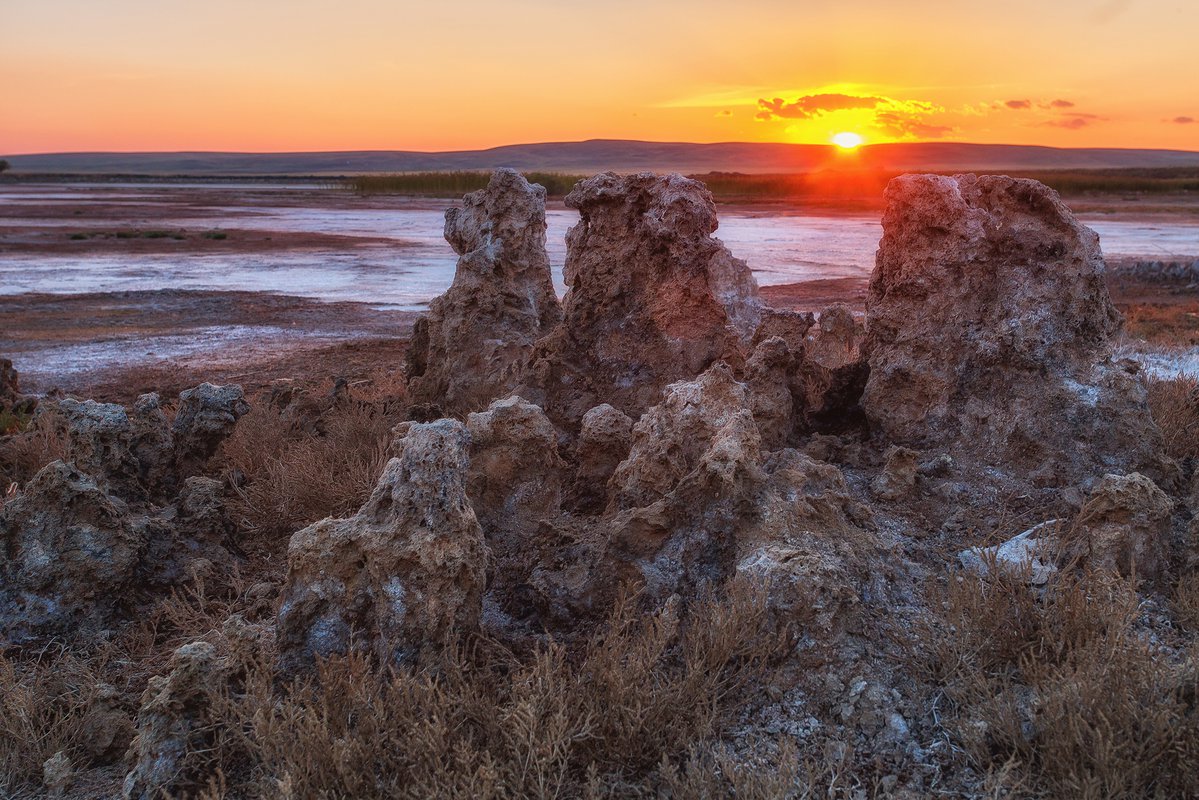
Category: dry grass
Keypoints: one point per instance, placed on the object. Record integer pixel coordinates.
(288, 476)
(1059, 692)
(26, 452)
(609, 720)
(1174, 403)
(49, 704)
(1165, 324)
(634, 711)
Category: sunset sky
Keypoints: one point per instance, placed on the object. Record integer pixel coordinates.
(378, 74)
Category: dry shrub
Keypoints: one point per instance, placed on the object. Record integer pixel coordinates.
(23, 454)
(290, 478)
(1059, 692)
(47, 705)
(1170, 325)
(1175, 406)
(607, 720)
(1185, 602)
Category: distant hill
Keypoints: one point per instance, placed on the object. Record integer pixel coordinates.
(615, 154)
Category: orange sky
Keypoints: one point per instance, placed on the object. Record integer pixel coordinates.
(459, 74)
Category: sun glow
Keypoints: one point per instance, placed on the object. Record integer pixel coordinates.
(847, 140)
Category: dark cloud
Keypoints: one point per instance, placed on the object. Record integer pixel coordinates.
(1019, 105)
(813, 105)
(1184, 120)
(1060, 104)
(901, 126)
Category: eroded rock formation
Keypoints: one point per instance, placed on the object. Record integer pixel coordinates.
(605, 437)
(205, 418)
(404, 574)
(175, 726)
(472, 346)
(988, 329)
(71, 553)
(698, 502)
(653, 298)
(515, 486)
(119, 519)
(1124, 527)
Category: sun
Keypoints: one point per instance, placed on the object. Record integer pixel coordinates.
(847, 140)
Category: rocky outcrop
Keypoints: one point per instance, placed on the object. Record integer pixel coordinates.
(472, 345)
(205, 418)
(175, 726)
(988, 328)
(808, 544)
(697, 503)
(1124, 527)
(653, 298)
(152, 444)
(899, 476)
(97, 439)
(403, 575)
(688, 481)
(70, 555)
(118, 520)
(837, 339)
(515, 485)
(605, 437)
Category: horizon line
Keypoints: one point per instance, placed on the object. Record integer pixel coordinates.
(863, 147)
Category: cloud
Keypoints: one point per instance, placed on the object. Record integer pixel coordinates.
(900, 119)
(900, 125)
(1183, 120)
(813, 105)
(1019, 105)
(1073, 121)
(724, 113)
(1060, 104)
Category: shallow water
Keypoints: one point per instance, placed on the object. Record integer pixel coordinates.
(779, 248)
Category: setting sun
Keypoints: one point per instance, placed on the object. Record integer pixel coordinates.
(847, 141)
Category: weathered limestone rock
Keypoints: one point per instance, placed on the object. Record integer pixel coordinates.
(653, 298)
(57, 774)
(837, 340)
(98, 440)
(404, 574)
(70, 554)
(152, 444)
(899, 475)
(106, 728)
(515, 471)
(698, 503)
(473, 344)
(1031, 553)
(605, 437)
(808, 542)
(801, 382)
(683, 434)
(1124, 527)
(90, 536)
(515, 487)
(206, 417)
(175, 726)
(770, 376)
(687, 484)
(988, 328)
